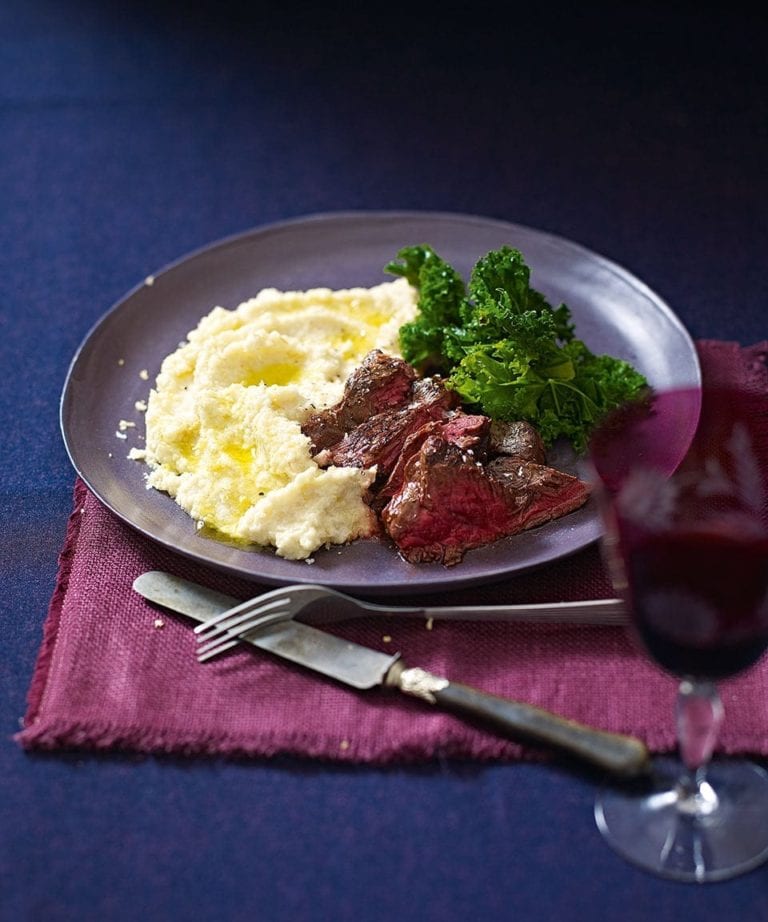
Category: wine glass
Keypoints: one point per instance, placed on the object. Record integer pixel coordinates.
(682, 483)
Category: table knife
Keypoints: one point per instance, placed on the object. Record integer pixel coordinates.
(363, 668)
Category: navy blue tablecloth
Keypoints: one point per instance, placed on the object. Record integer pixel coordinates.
(133, 133)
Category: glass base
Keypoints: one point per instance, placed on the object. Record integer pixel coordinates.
(714, 837)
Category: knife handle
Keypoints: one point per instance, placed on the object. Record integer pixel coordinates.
(619, 754)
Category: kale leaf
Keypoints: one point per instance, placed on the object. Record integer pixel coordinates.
(505, 350)
(441, 296)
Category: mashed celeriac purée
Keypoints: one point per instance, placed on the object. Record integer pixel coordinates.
(223, 422)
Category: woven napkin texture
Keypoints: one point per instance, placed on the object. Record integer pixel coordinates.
(115, 673)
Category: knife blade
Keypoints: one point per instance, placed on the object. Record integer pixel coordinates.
(363, 668)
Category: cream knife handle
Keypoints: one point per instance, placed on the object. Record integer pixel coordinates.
(619, 754)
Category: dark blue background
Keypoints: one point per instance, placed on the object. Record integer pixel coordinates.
(132, 133)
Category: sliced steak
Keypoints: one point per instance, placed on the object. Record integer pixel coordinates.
(436, 493)
(539, 492)
(445, 506)
(449, 502)
(518, 439)
(467, 432)
(379, 439)
(380, 383)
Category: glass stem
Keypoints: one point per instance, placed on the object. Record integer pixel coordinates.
(699, 716)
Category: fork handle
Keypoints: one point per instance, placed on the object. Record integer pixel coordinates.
(622, 755)
(592, 611)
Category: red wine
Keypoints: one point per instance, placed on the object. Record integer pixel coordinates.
(699, 598)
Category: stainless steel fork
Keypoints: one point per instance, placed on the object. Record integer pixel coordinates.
(320, 605)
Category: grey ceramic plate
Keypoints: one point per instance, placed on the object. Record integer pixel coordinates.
(119, 359)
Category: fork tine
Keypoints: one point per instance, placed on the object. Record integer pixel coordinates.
(202, 657)
(268, 598)
(237, 615)
(225, 630)
(239, 625)
(246, 617)
(210, 648)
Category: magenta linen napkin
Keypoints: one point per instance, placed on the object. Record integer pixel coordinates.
(114, 672)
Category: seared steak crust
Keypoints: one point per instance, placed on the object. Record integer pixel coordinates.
(380, 383)
(519, 439)
(540, 492)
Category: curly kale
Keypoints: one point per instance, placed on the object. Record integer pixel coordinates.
(505, 349)
(441, 296)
